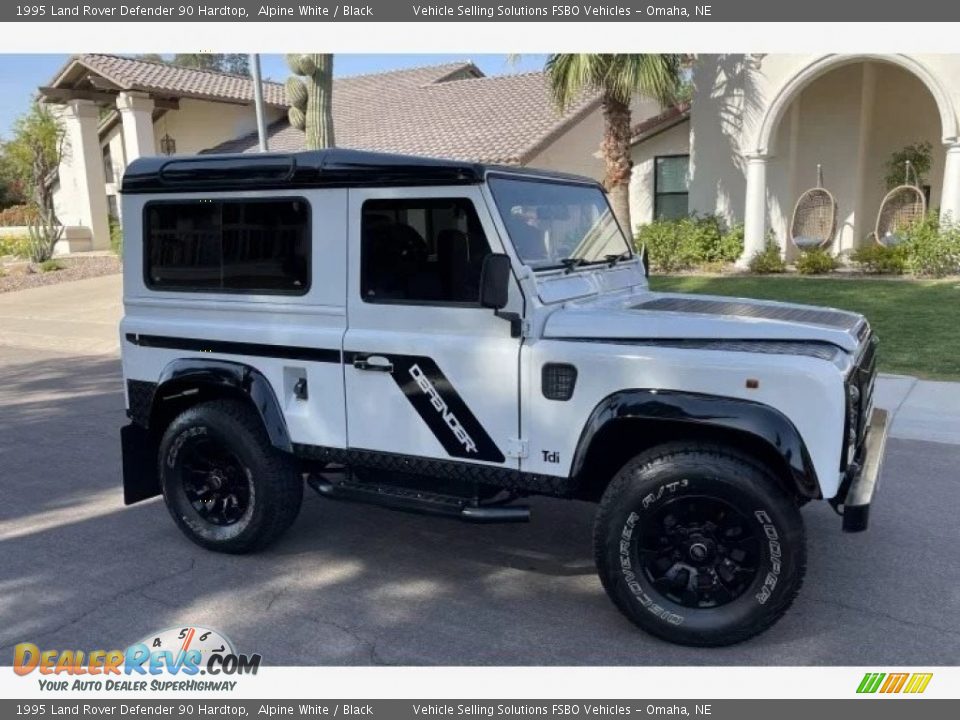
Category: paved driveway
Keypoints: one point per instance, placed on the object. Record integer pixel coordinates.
(78, 318)
(362, 585)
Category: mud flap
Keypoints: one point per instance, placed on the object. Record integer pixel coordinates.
(140, 481)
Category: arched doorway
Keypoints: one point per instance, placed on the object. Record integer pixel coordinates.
(848, 114)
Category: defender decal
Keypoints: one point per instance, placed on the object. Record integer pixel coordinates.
(440, 406)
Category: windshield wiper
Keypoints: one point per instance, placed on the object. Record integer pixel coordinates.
(612, 260)
(571, 263)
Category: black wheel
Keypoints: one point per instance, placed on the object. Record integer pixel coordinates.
(699, 545)
(226, 486)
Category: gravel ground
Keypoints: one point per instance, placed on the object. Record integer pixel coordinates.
(23, 276)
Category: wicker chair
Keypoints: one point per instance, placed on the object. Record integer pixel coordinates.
(902, 206)
(814, 220)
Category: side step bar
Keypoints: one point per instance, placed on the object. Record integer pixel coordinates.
(418, 501)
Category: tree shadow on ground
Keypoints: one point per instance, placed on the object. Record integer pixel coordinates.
(352, 584)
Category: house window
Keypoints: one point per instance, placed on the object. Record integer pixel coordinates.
(108, 165)
(421, 251)
(671, 186)
(239, 246)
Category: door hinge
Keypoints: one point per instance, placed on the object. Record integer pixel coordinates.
(517, 448)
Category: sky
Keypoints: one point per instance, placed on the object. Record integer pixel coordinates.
(20, 75)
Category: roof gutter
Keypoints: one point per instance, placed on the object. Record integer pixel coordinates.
(660, 128)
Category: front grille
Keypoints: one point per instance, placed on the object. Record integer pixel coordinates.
(863, 377)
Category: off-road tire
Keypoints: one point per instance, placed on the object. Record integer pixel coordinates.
(635, 502)
(275, 489)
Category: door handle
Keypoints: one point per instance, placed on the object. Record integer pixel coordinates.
(366, 363)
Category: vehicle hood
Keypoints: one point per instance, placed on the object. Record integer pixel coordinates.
(658, 317)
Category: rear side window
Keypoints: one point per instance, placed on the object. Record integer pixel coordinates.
(426, 250)
(238, 246)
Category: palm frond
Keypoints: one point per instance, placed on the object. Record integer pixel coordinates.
(621, 76)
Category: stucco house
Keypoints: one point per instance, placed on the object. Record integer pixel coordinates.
(116, 109)
(749, 143)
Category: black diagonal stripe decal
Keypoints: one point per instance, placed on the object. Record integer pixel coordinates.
(442, 409)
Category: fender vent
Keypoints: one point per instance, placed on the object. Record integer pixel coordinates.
(558, 381)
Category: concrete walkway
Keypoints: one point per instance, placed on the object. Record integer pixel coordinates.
(922, 409)
(76, 318)
(81, 318)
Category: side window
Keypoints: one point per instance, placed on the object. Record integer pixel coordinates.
(421, 250)
(671, 187)
(239, 246)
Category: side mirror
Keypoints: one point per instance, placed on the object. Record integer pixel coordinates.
(495, 281)
(645, 260)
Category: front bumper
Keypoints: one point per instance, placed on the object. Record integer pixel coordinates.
(863, 474)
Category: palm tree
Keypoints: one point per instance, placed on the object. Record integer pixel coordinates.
(617, 78)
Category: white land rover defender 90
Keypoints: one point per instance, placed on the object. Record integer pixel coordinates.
(447, 337)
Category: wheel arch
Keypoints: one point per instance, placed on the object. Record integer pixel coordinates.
(631, 421)
(188, 381)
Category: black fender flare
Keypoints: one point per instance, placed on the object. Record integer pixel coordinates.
(761, 422)
(185, 374)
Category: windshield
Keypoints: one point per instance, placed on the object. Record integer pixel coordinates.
(553, 224)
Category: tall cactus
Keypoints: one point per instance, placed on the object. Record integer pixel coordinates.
(311, 98)
(44, 234)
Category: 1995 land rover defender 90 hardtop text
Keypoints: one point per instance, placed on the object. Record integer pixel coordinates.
(447, 337)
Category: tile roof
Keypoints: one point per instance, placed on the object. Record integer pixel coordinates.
(502, 119)
(449, 110)
(167, 80)
(666, 119)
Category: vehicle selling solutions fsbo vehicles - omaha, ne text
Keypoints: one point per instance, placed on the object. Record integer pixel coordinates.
(447, 337)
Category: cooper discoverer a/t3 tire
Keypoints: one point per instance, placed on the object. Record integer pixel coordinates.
(227, 488)
(699, 545)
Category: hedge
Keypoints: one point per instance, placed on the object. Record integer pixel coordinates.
(690, 242)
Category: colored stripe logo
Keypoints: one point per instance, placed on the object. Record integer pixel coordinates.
(890, 683)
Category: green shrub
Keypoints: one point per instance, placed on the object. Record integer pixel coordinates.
(816, 261)
(932, 247)
(16, 246)
(768, 260)
(731, 244)
(51, 266)
(920, 157)
(874, 258)
(690, 242)
(116, 237)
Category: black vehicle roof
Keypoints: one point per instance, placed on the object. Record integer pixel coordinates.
(334, 167)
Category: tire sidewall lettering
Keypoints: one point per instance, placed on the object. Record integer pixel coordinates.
(631, 580)
(180, 440)
(768, 576)
(774, 556)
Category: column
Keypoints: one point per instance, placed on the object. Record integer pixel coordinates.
(83, 161)
(755, 212)
(136, 114)
(950, 195)
(865, 205)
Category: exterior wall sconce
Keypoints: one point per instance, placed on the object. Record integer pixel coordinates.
(168, 146)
